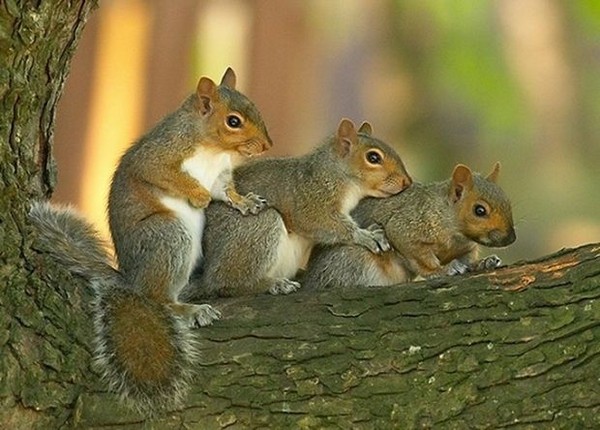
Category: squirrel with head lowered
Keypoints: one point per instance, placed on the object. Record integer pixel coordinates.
(310, 199)
(158, 196)
(435, 229)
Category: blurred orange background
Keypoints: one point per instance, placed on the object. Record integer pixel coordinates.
(442, 81)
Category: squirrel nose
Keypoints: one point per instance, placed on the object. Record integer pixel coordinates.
(499, 238)
(406, 182)
(511, 237)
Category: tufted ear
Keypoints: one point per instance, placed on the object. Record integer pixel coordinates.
(493, 176)
(229, 79)
(462, 180)
(345, 137)
(366, 128)
(207, 94)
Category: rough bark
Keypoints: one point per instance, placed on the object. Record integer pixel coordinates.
(518, 347)
(40, 356)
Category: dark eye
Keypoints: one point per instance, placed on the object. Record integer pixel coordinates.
(234, 121)
(479, 210)
(373, 157)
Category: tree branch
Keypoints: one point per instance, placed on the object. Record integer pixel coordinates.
(516, 346)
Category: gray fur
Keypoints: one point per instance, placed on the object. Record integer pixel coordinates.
(162, 183)
(238, 252)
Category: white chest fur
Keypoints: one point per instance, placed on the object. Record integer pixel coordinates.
(292, 254)
(352, 196)
(209, 169)
(206, 166)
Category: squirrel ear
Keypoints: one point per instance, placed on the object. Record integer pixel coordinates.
(207, 93)
(366, 128)
(493, 176)
(229, 79)
(462, 180)
(345, 137)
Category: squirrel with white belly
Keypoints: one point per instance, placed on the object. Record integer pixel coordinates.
(310, 199)
(434, 230)
(158, 196)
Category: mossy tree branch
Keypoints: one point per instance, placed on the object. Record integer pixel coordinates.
(517, 347)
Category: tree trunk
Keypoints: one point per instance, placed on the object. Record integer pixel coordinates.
(44, 332)
(516, 347)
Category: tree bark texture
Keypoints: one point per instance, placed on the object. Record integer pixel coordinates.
(515, 348)
(43, 330)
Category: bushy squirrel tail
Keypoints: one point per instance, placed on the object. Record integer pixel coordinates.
(146, 354)
(72, 241)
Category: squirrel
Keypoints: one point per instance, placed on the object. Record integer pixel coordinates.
(158, 195)
(310, 199)
(434, 230)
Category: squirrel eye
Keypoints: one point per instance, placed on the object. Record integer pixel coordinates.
(479, 210)
(234, 121)
(373, 157)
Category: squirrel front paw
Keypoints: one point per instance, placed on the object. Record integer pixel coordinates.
(456, 267)
(199, 199)
(488, 263)
(373, 238)
(250, 203)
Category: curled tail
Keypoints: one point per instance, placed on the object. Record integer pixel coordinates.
(144, 351)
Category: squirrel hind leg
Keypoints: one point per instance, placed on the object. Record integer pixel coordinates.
(284, 286)
(196, 315)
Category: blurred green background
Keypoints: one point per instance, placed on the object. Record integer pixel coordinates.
(444, 81)
(517, 82)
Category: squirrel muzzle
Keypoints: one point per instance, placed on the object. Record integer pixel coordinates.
(497, 238)
(254, 146)
(394, 184)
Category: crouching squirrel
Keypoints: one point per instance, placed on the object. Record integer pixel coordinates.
(434, 229)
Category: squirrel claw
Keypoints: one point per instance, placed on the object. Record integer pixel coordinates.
(250, 203)
(284, 286)
(383, 244)
(205, 315)
(489, 262)
(373, 238)
(456, 267)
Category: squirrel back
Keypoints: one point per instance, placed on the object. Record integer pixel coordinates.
(144, 346)
(433, 229)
